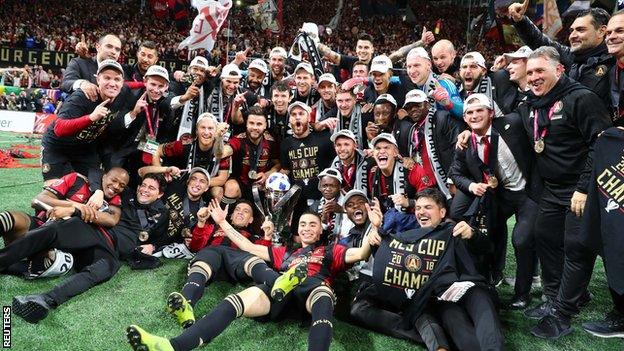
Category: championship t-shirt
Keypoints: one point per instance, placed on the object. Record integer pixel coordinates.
(404, 262)
(305, 158)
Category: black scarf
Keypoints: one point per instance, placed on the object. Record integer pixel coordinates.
(542, 104)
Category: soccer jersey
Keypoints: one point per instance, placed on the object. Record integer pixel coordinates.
(179, 154)
(324, 262)
(246, 154)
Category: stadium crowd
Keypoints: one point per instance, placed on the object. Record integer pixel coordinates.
(388, 179)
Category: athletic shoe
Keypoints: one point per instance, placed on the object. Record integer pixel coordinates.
(178, 306)
(31, 308)
(294, 276)
(610, 327)
(140, 340)
(552, 327)
(585, 299)
(540, 311)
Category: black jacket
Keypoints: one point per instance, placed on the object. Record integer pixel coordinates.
(616, 77)
(601, 228)
(465, 168)
(506, 95)
(589, 68)
(566, 162)
(79, 68)
(446, 130)
(127, 231)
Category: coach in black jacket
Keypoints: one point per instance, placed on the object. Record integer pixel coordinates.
(562, 119)
(586, 59)
(499, 160)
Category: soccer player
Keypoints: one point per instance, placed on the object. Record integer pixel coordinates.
(218, 258)
(205, 151)
(419, 269)
(313, 294)
(70, 144)
(71, 191)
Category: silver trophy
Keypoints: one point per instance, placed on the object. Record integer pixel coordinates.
(278, 203)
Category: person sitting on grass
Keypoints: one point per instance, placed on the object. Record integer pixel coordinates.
(312, 293)
(72, 191)
(219, 258)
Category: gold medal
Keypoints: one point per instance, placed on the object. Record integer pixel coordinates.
(539, 146)
(492, 182)
(143, 236)
(252, 175)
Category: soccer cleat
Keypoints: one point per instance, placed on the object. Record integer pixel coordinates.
(610, 327)
(294, 276)
(178, 306)
(31, 308)
(140, 340)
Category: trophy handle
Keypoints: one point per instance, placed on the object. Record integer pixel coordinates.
(257, 200)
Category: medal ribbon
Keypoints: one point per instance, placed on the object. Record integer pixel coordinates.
(152, 132)
(543, 132)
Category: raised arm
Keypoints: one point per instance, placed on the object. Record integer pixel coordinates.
(363, 252)
(218, 215)
(426, 38)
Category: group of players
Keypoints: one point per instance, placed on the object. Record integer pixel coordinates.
(407, 180)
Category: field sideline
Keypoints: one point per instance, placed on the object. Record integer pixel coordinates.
(97, 319)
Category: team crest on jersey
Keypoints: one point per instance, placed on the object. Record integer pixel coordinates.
(558, 107)
(413, 263)
(45, 168)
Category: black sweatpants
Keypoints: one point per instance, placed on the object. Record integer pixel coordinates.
(523, 239)
(472, 322)
(567, 264)
(96, 261)
(371, 310)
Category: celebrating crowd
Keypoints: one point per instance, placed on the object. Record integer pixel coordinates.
(393, 187)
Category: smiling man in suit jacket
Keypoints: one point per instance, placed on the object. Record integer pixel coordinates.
(498, 162)
(81, 72)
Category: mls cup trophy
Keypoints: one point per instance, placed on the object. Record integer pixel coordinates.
(278, 203)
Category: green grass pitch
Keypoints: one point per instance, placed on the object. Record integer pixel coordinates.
(97, 319)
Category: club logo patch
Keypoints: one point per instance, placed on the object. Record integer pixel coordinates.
(558, 107)
(601, 70)
(413, 263)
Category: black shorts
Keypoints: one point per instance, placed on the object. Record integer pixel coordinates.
(226, 263)
(35, 222)
(57, 162)
(294, 304)
(245, 190)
